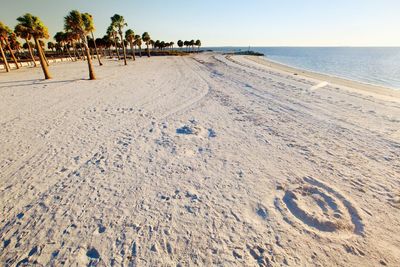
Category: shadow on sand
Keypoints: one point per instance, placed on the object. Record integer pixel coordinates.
(21, 83)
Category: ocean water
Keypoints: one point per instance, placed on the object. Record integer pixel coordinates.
(372, 65)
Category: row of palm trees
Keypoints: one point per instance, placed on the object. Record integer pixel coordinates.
(78, 34)
(191, 43)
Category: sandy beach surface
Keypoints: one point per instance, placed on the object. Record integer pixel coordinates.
(205, 160)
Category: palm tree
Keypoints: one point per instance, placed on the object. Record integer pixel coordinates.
(14, 43)
(130, 37)
(71, 40)
(112, 34)
(185, 43)
(89, 24)
(146, 38)
(75, 22)
(180, 44)
(3, 56)
(23, 33)
(100, 44)
(138, 42)
(198, 44)
(191, 43)
(107, 44)
(51, 45)
(118, 22)
(5, 33)
(35, 27)
(62, 39)
(42, 46)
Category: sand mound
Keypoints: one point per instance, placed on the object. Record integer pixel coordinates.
(317, 206)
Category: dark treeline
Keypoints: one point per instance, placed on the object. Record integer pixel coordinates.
(78, 42)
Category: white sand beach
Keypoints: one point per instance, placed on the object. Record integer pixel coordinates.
(204, 160)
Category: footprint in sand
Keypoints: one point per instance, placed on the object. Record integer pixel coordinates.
(94, 257)
(318, 207)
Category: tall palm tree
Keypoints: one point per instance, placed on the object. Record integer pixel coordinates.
(42, 45)
(130, 37)
(3, 56)
(118, 23)
(75, 22)
(35, 27)
(146, 39)
(5, 33)
(138, 42)
(89, 24)
(23, 33)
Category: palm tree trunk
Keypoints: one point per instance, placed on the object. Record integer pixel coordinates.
(123, 47)
(75, 52)
(78, 55)
(42, 60)
(148, 50)
(3, 56)
(31, 53)
(11, 53)
(69, 54)
(116, 46)
(132, 50)
(95, 47)
(92, 76)
(44, 55)
(140, 51)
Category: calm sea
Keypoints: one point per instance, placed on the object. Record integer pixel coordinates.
(373, 65)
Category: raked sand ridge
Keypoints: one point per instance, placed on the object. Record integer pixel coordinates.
(202, 160)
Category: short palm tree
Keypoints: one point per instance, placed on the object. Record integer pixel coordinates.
(186, 43)
(107, 44)
(138, 42)
(75, 23)
(180, 44)
(130, 37)
(89, 24)
(146, 39)
(62, 39)
(35, 27)
(112, 34)
(23, 33)
(5, 33)
(198, 44)
(118, 23)
(191, 43)
(51, 46)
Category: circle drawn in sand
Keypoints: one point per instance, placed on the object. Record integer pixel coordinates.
(319, 207)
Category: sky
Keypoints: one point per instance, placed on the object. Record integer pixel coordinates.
(233, 22)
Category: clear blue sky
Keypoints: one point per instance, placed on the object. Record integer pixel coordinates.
(234, 22)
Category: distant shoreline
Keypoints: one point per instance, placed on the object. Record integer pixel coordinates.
(387, 93)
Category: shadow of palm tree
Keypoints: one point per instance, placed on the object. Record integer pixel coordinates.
(35, 82)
